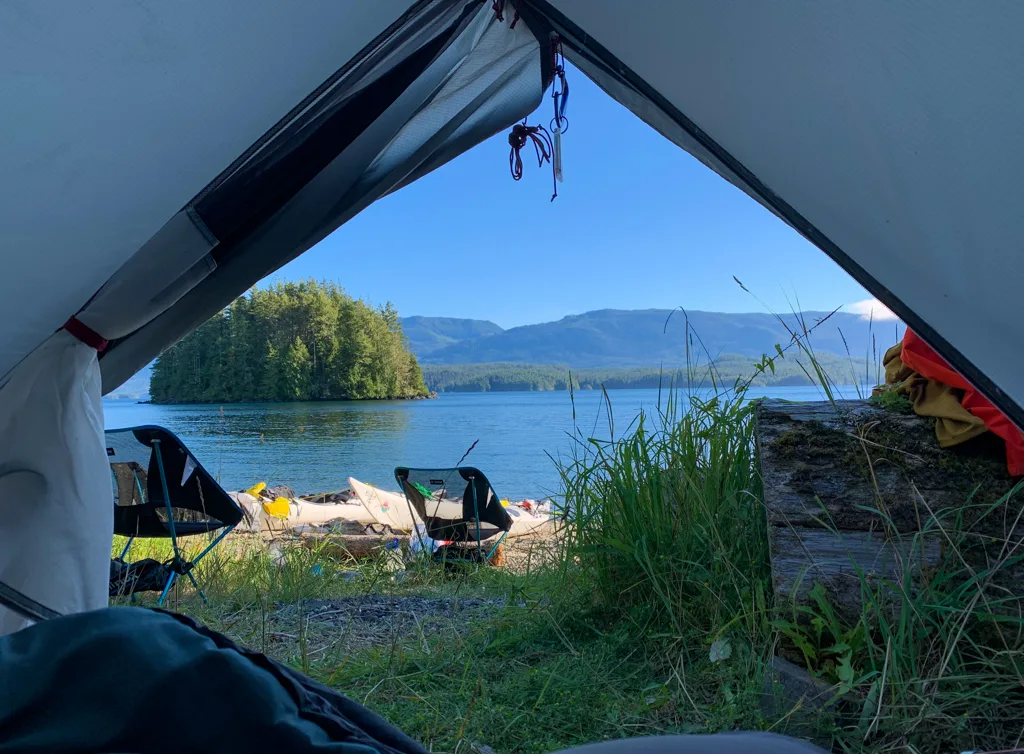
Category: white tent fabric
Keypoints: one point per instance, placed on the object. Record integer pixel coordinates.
(888, 133)
(159, 158)
(446, 77)
(488, 77)
(171, 264)
(116, 114)
(56, 525)
(55, 483)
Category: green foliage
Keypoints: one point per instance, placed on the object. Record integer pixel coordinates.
(828, 645)
(893, 400)
(291, 342)
(666, 531)
(666, 535)
(481, 378)
(660, 615)
(932, 663)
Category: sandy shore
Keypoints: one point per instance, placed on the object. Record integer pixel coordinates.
(350, 542)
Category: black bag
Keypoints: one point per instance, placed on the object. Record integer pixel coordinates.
(144, 576)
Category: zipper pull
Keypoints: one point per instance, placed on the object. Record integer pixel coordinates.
(556, 154)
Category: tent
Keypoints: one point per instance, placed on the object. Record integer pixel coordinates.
(159, 158)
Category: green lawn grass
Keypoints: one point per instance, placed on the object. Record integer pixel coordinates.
(657, 616)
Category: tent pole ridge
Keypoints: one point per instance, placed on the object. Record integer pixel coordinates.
(570, 33)
(399, 23)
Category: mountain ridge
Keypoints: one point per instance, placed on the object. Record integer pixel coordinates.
(610, 338)
(626, 338)
(434, 333)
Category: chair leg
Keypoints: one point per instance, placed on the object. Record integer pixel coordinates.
(203, 554)
(476, 518)
(167, 498)
(500, 540)
(198, 588)
(174, 535)
(163, 594)
(214, 543)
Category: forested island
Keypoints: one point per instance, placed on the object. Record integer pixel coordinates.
(304, 341)
(477, 378)
(310, 341)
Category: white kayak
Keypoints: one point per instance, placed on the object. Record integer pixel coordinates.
(304, 512)
(527, 522)
(386, 508)
(392, 509)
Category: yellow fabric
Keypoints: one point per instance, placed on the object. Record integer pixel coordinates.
(256, 489)
(954, 424)
(278, 509)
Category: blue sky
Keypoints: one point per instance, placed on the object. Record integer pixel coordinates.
(638, 223)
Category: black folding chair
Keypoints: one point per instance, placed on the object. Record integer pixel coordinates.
(161, 491)
(457, 506)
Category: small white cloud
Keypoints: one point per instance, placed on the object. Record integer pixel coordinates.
(871, 308)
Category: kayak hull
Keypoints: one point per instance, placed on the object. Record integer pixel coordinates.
(386, 508)
(303, 512)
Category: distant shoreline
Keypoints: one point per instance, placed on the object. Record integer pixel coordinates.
(726, 371)
(153, 402)
(544, 378)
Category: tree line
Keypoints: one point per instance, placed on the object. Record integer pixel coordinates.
(726, 370)
(304, 341)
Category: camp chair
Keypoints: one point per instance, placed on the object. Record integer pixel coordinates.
(160, 490)
(457, 506)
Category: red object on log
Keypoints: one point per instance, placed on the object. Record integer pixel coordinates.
(923, 359)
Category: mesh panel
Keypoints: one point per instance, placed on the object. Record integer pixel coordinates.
(129, 483)
(190, 515)
(123, 448)
(137, 483)
(456, 504)
(184, 515)
(438, 486)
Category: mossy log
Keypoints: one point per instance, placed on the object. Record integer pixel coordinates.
(368, 546)
(352, 546)
(853, 489)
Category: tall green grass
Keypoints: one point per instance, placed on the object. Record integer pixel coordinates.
(659, 616)
(935, 660)
(665, 522)
(666, 538)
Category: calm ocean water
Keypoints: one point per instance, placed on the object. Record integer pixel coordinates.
(315, 447)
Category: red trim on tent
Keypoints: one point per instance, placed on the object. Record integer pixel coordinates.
(78, 329)
(920, 357)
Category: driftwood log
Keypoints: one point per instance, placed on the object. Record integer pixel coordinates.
(352, 546)
(368, 546)
(853, 486)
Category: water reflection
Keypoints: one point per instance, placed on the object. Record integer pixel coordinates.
(315, 447)
(288, 422)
